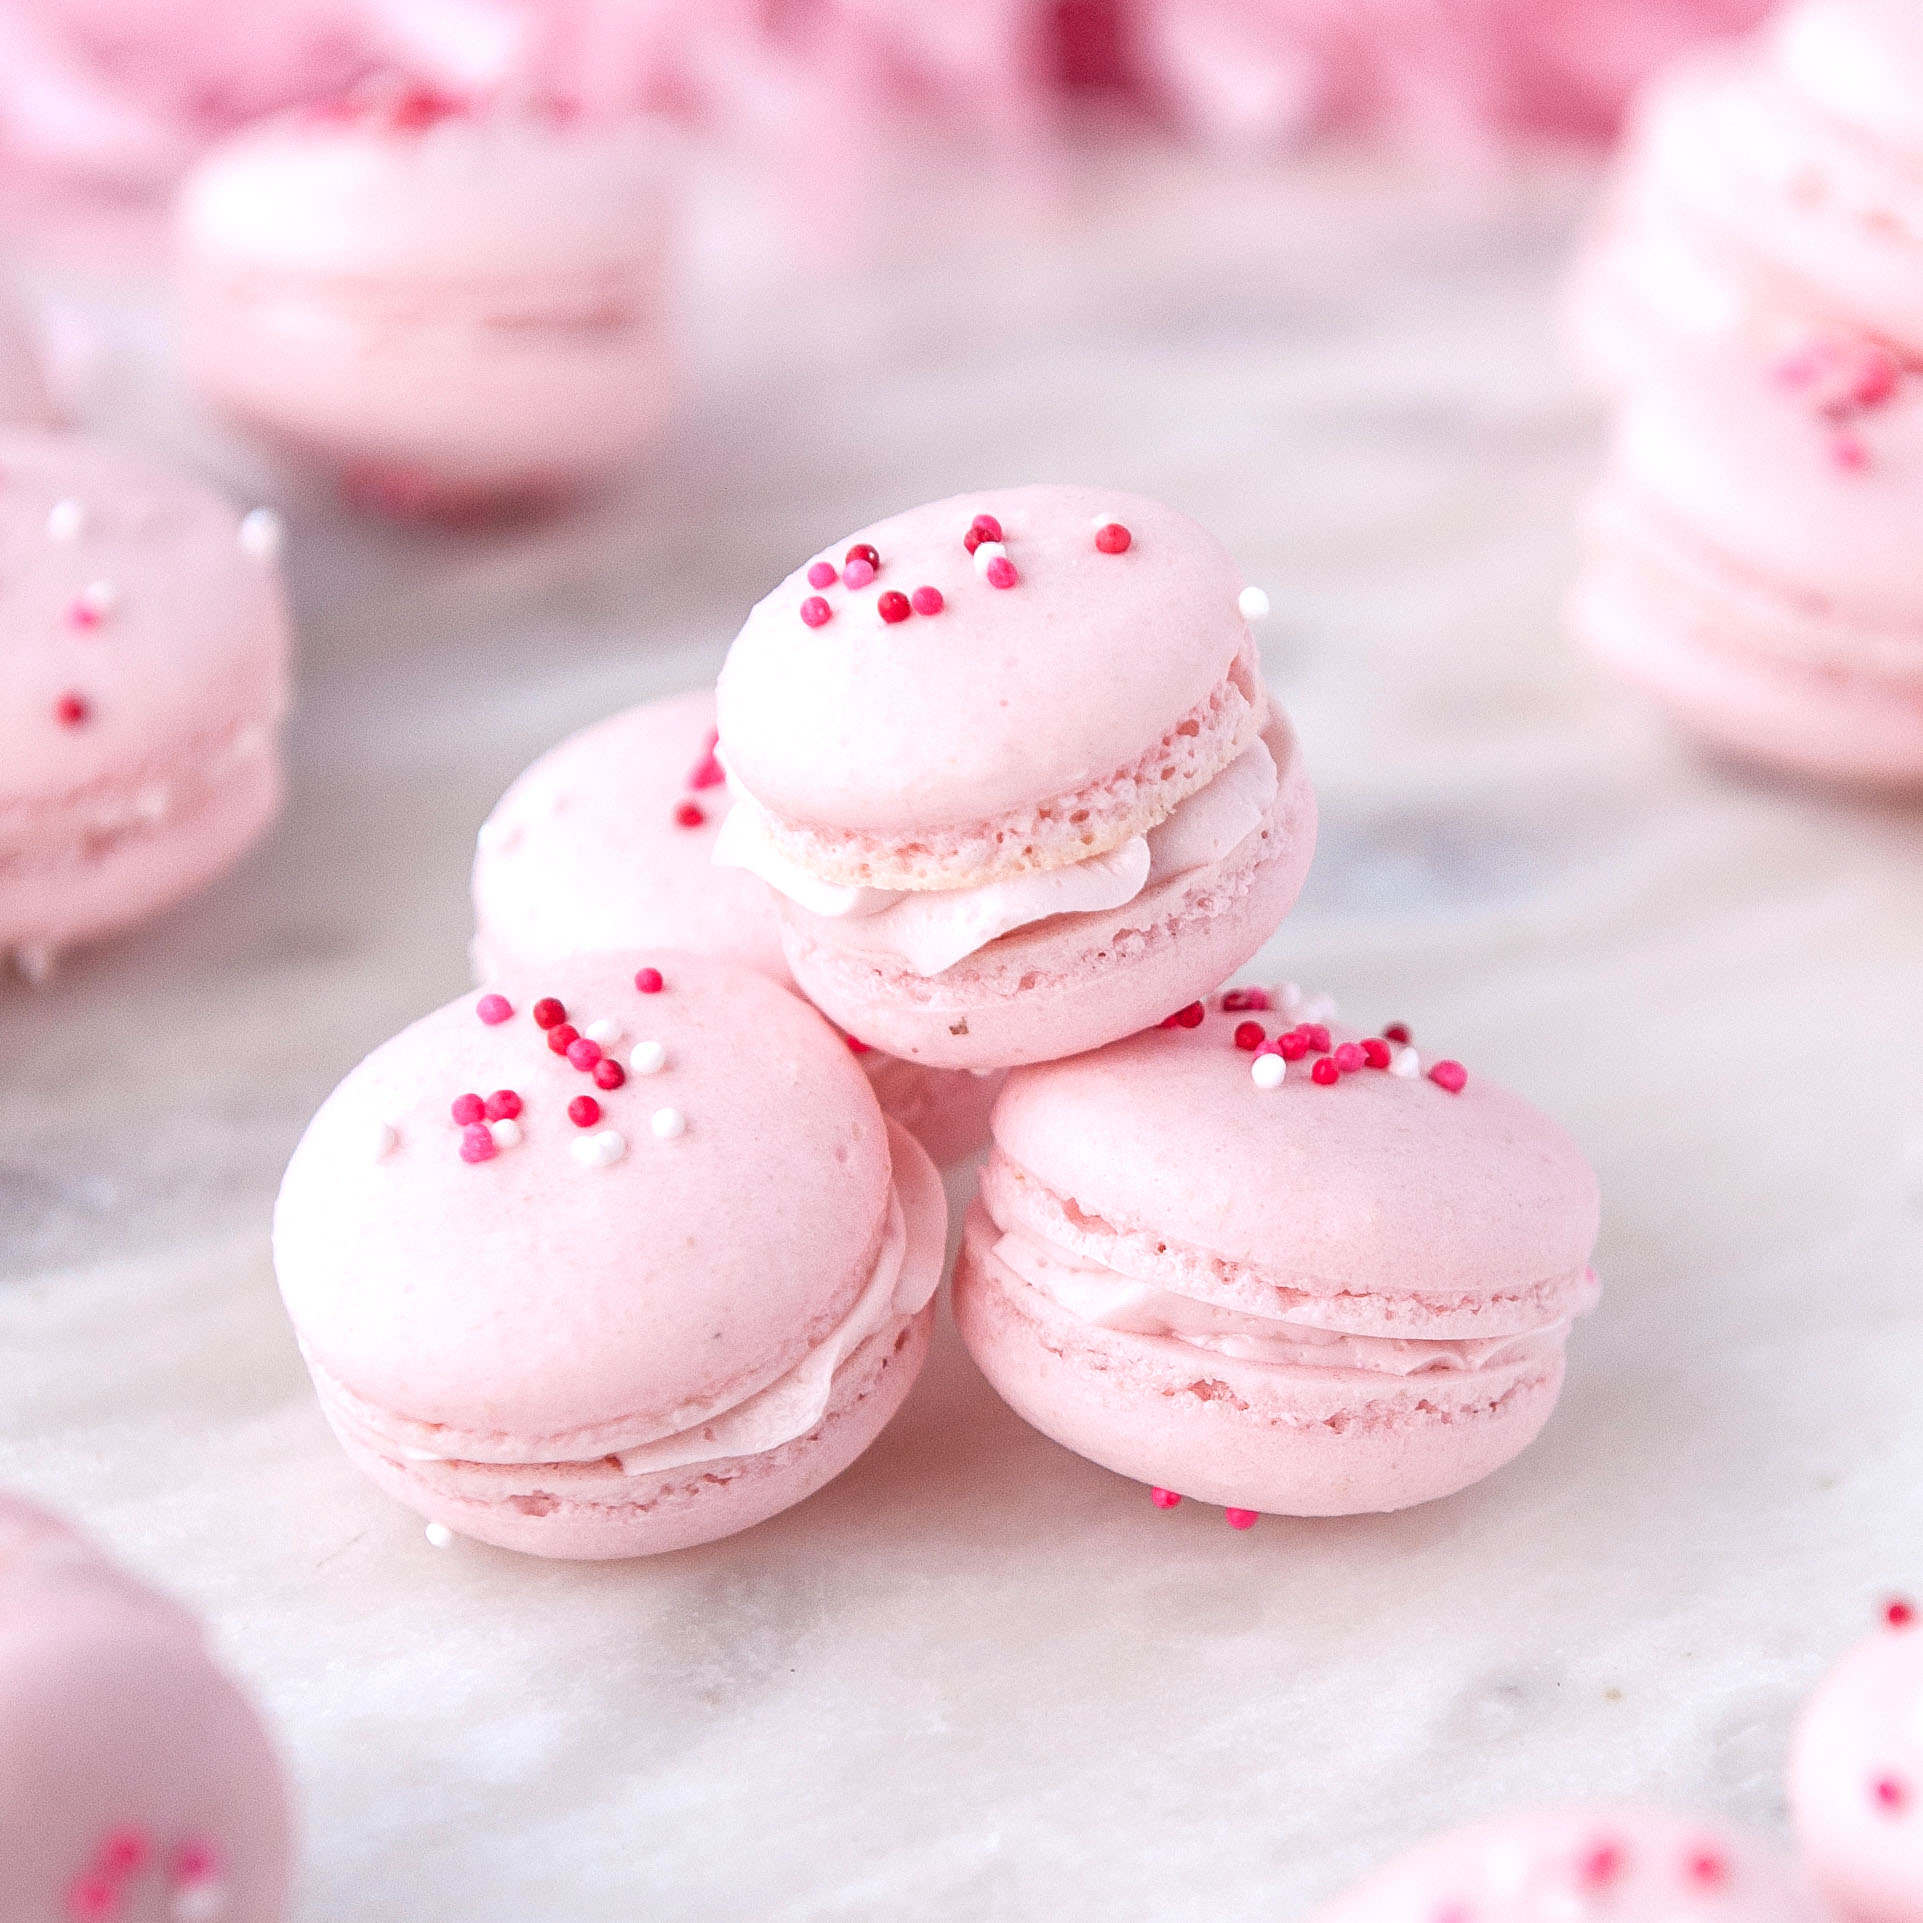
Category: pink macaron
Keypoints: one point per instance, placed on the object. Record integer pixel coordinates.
(147, 653)
(1009, 761)
(1751, 553)
(135, 1778)
(608, 842)
(1253, 1258)
(1856, 1776)
(611, 1258)
(1612, 1865)
(451, 306)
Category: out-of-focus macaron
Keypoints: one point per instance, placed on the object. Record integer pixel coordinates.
(147, 645)
(618, 1256)
(1856, 1776)
(1751, 552)
(24, 399)
(1260, 1260)
(450, 305)
(135, 1778)
(1612, 1864)
(607, 842)
(1009, 760)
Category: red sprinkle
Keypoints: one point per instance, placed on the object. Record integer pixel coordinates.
(83, 614)
(1163, 1498)
(584, 1111)
(503, 1105)
(1254, 1001)
(196, 1861)
(1189, 1017)
(420, 107)
(893, 606)
(689, 814)
(984, 527)
(1603, 1863)
(468, 1109)
(1709, 1868)
(815, 612)
(863, 551)
(1249, 1036)
(824, 574)
(1849, 453)
(1113, 538)
(1292, 1046)
(1000, 572)
(608, 1073)
(583, 1054)
(563, 1038)
(1325, 1073)
(1899, 1612)
(649, 981)
(1241, 1518)
(1349, 1057)
(708, 771)
(477, 1143)
(1376, 1053)
(1397, 1032)
(928, 600)
(123, 1853)
(857, 1047)
(1450, 1075)
(71, 710)
(1892, 1794)
(93, 1899)
(1318, 1037)
(548, 1012)
(494, 1009)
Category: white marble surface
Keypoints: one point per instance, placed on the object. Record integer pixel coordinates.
(977, 1678)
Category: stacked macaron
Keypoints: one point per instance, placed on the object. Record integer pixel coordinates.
(1754, 302)
(448, 304)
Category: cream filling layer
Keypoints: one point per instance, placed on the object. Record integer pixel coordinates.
(930, 930)
(1108, 1300)
(782, 1412)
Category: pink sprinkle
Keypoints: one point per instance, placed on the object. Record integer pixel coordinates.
(1001, 573)
(823, 574)
(1601, 1865)
(468, 1109)
(1113, 538)
(649, 981)
(689, 814)
(708, 771)
(1318, 1036)
(502, 1106)
(608, 1073)
(1241, 1518)
(1899, 1612)
(927, 600)
(1450, 1075)
(71, 710)
(1892, 1794)
(1252, 1001)
(494, 1009)
(82, 613)
(815, 612)
(92, 1899)
(1163, 1498)
(1249, 1036)
(1376, 1053)
(477, 1144)
(123, 1853)
(1849, 453)
(1709, 1868)
(197, 1861)
(859, 572)
(584, 1111)
(1349, 1057)
(984, 527)
(583, 1054)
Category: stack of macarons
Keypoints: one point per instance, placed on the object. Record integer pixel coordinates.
(1752, 300)
(991, 796)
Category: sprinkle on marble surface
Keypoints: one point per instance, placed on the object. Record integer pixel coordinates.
(72, 709)
(563, 1037)
(608, 1073)
(1252, 604)
(606, 1032)
(602, 1149)
(1268, 1070)
(667, 1123)
(856, 1046)
(894, 607)
(506, 1132)
(649, 981)
(477, 1143)
(1890, 1794)
(438, 1535)
(1189, 1017)
(689, 814)
(1601, 1864)
(927, 600)
(1450, 1075)
(823, 574)
(984, 527)
(468, 1109)
(92, 605)
(815, 612)
(1376, 1052)
(1707, 1868)
(583, 1054)
(987, 553)
(1249, 1036)
(1396, 1032)
(1239, 1001)
(1406, 1063)
(1899, 1613)
(584, 1111)
(1348, 1057)
(504, 1105)
(66, 520)
(549, 1013)
(1111, 537)
(1241, 1518)
(263, 534)
(648, 1058)
(1163, 1498)
(1325, 1074)
(494, 1009)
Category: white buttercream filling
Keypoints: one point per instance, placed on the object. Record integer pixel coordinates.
(929, 930)
(1109, 1300)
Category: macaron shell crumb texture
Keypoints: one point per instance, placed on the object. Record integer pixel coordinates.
(131, 1767)
(1856, 1779)
(1615, 1865)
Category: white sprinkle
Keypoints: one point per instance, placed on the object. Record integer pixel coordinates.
(262, 534)
(988, 551)
(602, 1149)
(1406, 1063)
(607, 1033)
(1253, 603)
(439, 1535)
(1268, 1071)
(65, 519)
(506, 1132)
(649, 1058)
(1318, 1008)
(667, 1123)
(204, 1900)
(99, 598)
(387, 1138)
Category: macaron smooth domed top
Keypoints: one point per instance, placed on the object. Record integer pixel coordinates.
(140, 626)
(1861, 60)
(545, 1293)
(1006, 698)
(1379, 1186)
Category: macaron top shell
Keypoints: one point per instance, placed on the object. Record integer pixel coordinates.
(452, 194)
(1613, 1865)
(138, 624)
(1861, 60)
(1856, 1778)
(1378, 1186)
(537, 1294)
(586, 850)
(1006, 698)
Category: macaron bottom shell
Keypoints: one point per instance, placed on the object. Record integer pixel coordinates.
(1074, 982)
(1233, 1432)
